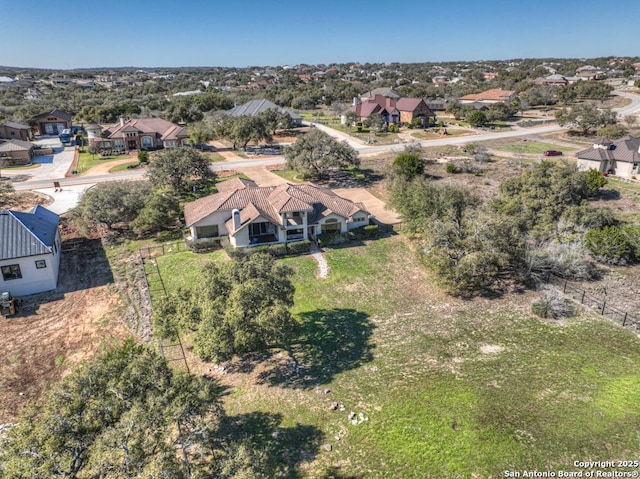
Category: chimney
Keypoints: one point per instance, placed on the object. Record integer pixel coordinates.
(235, 214)
(122, 121)
(355, 100)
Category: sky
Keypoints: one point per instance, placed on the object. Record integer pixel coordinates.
(174, 33)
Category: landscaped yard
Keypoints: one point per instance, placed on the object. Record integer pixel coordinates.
(440, 387)
(88, 160)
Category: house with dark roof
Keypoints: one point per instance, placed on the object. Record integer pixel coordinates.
(29, 251)
(16, 152)
(393, 112)
(247, 214)
(15, 131)
(53, 122)
(254, 107)
(495, 95)
(138, 134)
(619, 157)
(387, 92)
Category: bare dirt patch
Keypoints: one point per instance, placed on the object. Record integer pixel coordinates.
(55, 331)
(25, 201)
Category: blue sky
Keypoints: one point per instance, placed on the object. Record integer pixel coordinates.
(147, 33)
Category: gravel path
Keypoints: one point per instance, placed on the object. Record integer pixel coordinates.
(318, 256)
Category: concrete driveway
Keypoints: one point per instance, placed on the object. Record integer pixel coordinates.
(375, 206)
(262, 176)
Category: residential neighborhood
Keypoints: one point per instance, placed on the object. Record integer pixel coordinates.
(262, 240)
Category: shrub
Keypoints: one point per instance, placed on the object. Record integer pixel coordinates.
(299, 247)
(203, 246)
(595, 181)
(612, 244)
(279, 249)
(408, 165)
(332, 238)
(451, 168)
(393, 128)
(552, 305)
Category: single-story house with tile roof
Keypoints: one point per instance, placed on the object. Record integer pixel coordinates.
(138, 134)
(15, 131)
(619, 157)
(254, 107)
(495, 95)
(30, 250)
(385, 91)
(53, 122)
(248, 214)
(402, 110)
(16, 152)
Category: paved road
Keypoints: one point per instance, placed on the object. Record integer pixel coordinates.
(44, 176)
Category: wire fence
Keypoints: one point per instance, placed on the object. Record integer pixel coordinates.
(171, 351)
(148, 252)
(601, 305)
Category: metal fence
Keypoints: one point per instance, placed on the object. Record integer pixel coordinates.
(170, 351)
(601, 305)
(148, 252)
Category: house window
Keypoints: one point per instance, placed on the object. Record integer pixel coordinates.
(258, 229)
(11, 271)
(207, 231)
(359, 219)
(41, 263)
(146, 142)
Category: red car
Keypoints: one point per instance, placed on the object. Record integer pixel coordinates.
(552, 153)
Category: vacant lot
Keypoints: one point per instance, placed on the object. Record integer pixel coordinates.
(54, 332)
(439, 387)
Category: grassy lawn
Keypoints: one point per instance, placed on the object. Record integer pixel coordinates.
(213, 156)
(527, 146)
(446, 388)
(124, 166)
(88, 160)
(289, 175)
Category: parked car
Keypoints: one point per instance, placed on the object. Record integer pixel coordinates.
(552, 153)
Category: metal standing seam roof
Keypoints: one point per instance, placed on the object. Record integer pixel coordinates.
(16, 145)
(27, 234)
(16, 126)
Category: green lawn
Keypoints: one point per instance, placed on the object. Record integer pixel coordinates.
(88, 160)
(124, 166)
(527, 146)
(447, 388)
(289, 175)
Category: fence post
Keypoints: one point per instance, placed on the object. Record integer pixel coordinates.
(163, 248)
(582, 300)
(604, 303)
(624, 320)
(564, 291)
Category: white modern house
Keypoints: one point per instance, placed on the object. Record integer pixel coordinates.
(249, 215)
(30, 250)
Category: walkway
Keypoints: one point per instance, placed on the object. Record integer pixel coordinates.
(318, 256)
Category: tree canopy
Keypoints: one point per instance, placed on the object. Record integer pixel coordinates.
(315, 153)
(124, 415)
(240, 307)
(177, 168)
(112, 203)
